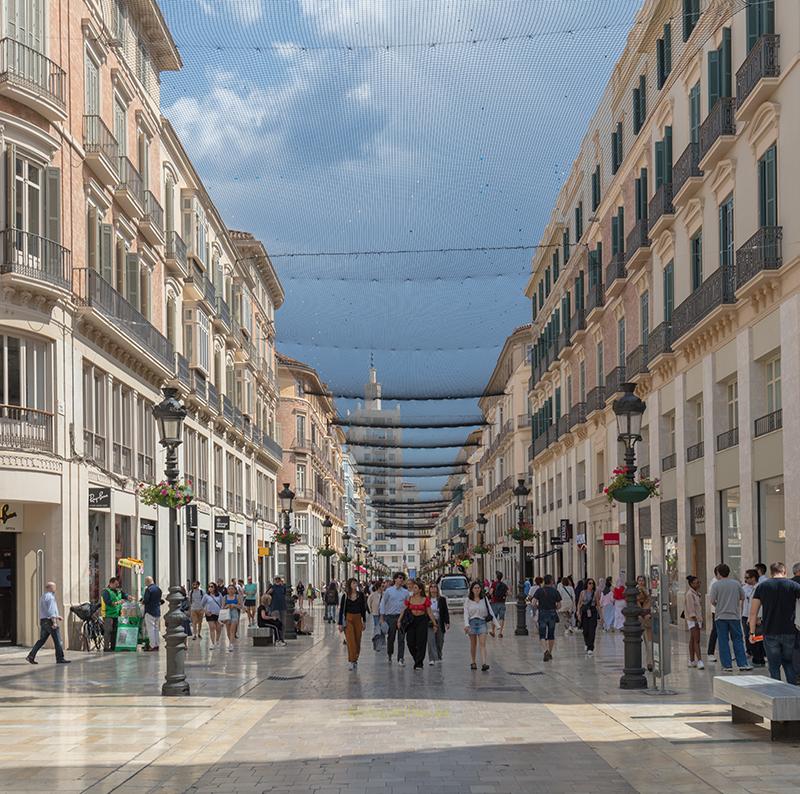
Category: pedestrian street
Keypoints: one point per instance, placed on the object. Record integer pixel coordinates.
(295, 719)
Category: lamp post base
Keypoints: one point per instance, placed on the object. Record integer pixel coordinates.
(521, 630)
(289, 630)
(175, 682)
(633, 676)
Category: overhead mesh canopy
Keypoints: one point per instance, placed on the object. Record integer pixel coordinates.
(399, 159)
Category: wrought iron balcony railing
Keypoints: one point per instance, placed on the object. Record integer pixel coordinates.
(730, 438)
(660, 205)
(35, 257)
(175, 248)
(694, 452)
(614, 381)
(721, 121)
(659, 341)
(636, 362)
(686, 167)
(715, 291)
(153, 211)
(761, 62)
(763, 251)
(769, 423)
(25, 429)
(30, 69)
(98, 139)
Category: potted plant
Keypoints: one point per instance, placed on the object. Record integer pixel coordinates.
(165, 494)
(287, 537)
(481, 549)
(345, 558)
(326, 551)
(623, 488)
(523, 532)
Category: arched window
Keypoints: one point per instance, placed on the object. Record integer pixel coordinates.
(169, 202)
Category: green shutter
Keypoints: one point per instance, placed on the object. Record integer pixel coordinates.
(660, 171)
(767, 17)
(667, 49)
(694, 114)
(132, 280)
(614, 235)
(725, 67)
(642, 100)
(669, 292)
(660, 62)
(635, 101)
(668, 154)
(52, 204)
(713, 79)
(753, 22)
(644, 192)
(767, 189)
(106, 261)
(620, 155)
(621, 229)
(11, 201)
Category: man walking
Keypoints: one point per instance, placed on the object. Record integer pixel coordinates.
(499, 593)
(112, 598)
(49, 620)
(277, 606)
(727, 596)
(151, 599)
(393, 604)
(547, 599)
(777, 599)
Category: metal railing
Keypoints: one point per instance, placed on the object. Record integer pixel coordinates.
(98, 139)
(130, 179)
(564, 337)
(506, 485)
(198, 277)
(153, 211)
(763, 251)
(523, 420)
(596, 298)
(637, 238)
(730, 438)
(636, 362)
(581, 494)
(720, 121)
(213, 396)
(121, 458)
(686, 167)
(97, 293)
(562, 426)
(223, 312)
(769, 423)
(175, 248)
(659, 341)
(578, 321)
(596, 399)
(577, 414)
(27, 67)
(182, 371)
(695, 452)
(669, 462)
(145, 467)
(25, 428)
(761, 62)
(715, 291)
(94, 447)
(272, 446)
(35, 257)
(660, 204)
(614, 381)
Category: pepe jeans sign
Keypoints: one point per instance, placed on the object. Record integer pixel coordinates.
(99, 498)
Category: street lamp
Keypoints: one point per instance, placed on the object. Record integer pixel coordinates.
(450, 545)
(482, 521)
(358, 559)
(327, 525)
(629, 410)
(521, 494)
(169, 414)
(346, 538)
(286, 497)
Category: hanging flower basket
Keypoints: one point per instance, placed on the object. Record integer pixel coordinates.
(345, 558)
(524, 533)
(622, 489)
(326, 552)
(164, 494)
(481, 549)
(287, 537)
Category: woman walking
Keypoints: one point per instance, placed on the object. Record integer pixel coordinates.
(374, 605)
(619, 604)
(693, 610)
(607, 605)
(311, 594)
(196, 611)
(441, 617)
(645, 603)
(589, 614)
(232, 604)
(352, 619)
(212, 603)
(477, 613)
(250, 594)
(419, 607)
(301, 594)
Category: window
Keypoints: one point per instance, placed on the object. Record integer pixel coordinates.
(731, 530)
(616, 149)
(579, 222)
(639, 101)
(300, 420)
(25, 22)
(644, 318)
(664, 55)
(94, 414)
(582, 382)
(601, 375)
(201, 483)
(732, 400)
(670, 430)
(565, 245)
(118, 21)
(121, 126)
(641, 195)
(218, 476)
(691, 15)
(696, 260)
(142, 62)
(698, 420)
(596, 188)
(663, 152)
(773, 377)
(621, 342)
(300, 481)
(768, 189)
(410, 547)
(726, 252)
(719, 70)
(771, 520)
(145, 440)
(122, 404)
(760, 22)
(618, 232)
(91, 92)
(190, 455)
(169, 203)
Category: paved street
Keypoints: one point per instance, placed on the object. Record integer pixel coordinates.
(99, 725)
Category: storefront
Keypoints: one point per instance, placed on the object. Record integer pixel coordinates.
(730, 530)
(669, 550)
(148, 545)
(771, 520)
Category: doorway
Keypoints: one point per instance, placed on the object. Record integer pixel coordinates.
(8, 596)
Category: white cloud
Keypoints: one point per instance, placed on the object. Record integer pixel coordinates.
(247, 12)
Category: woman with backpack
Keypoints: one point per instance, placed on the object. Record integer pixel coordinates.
(477, 613)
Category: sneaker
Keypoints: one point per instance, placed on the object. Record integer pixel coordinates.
(547, 656)
(746, 668)
(352, 666)
(473, 666)
(590, 653)
(711, 658)
(431, 662)
(401, 662)
(759, 664)
(62, 661)
(727, 669)
(230, 648)
(211, 646)
(692, 664)
(700, 665)
(281, 642)
(31, 660)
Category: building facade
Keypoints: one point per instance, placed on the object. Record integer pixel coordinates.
(119, 277)
(671, 260)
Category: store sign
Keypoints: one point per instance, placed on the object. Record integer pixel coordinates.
(564, 530)
(147, 526)
(611, 538)
(222, 523)
(580, 539)
(10, 518)
(191, 516)
(99, 498)
(191, 533)
(263, 551)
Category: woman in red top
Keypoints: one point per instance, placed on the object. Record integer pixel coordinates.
(418, 606)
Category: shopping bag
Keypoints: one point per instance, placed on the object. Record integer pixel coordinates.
(224, 615)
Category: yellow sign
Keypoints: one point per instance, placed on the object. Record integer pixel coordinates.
(263, 551)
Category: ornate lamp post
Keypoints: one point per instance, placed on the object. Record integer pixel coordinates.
(358, 546)
(521, 494)
(286, 497)
(327, 525)
(346, 538)
(482, 521)
(169, 414)
(629, 410)
(450, 545)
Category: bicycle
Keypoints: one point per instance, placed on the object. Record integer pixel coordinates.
(92, 628)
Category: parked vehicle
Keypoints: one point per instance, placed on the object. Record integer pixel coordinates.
(454, 587)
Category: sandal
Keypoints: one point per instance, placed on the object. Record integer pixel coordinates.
(473, 666)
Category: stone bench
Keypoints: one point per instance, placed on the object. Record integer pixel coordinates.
(262, 635)
(754, 698)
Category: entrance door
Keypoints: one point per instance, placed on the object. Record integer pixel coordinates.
(8, 599)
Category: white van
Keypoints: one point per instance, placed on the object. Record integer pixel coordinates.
(454, 587)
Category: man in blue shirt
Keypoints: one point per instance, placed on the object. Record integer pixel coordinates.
(277, 607)
(151, 599)
(48, 625)
(393, 604)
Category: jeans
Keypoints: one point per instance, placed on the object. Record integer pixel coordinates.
(712, 638)
(110, 633)
(417, 638)
(394, 632)
(547, 624)
(589, 626)
(47, 629)
(730, 629)
(780, 648)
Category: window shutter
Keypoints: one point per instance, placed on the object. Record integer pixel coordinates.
(106, 268)
(635, 101)
(725, 87)
(614, 235)
(52, 201)
(643, 180)
(613, 152)
(667, 49)
(660, 63)
(668, 292)
(11, 201)
(660, 175)
(619, 144)
(638, 190)
(621, 228)
(642, 100)
(713, 79)
(132, 280)
(753, 22)
(767, 24)
(668, 154)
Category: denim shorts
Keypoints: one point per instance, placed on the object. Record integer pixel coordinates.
(547, 624)
(477, 626)
(499, 610)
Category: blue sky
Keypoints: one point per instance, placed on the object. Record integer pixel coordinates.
(353, 125)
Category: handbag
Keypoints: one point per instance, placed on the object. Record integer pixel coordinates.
(489, 617)
(406, 619)
(224, 615)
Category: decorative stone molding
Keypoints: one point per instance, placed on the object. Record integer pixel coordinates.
(721, 179)
(693, 215)
(31, 461)
(763, 130)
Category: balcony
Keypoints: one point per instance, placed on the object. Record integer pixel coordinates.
(717, 132)
(199, 385)
(223, 315)
(660, 211)
(226, 408)
(541, 442)
(238, 419)
(94, 448)
(121, 321)
(523, 420)
(175, 254)
(758, 76)
(636, 363)
(562, 426)
(577, 325)
(769, 423)
(595, 400)
(637, 245)
(499, 490)
(700, 307)
(595, 300)
(213, 397)
(687, 176)
(759, 257)
(182, 374)
(614, 381)
(101, 150)
(615, 275)
(669, 462)
(694, 452)
(577, 414)
(29, 77)
(129, 190)
(581, 494)
(25, 429)
(659, 342)
(563, 340)
(37, 262)
(728, 439)
(272, 447)
(152, 223)
(200, 288)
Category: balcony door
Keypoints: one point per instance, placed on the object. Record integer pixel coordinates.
(25, 22)
(92, 87)
(24, 418)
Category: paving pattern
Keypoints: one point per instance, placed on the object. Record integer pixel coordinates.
(100, 725)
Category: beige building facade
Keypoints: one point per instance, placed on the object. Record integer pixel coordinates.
(671, 260)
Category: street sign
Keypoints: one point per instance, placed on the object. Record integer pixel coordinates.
(611, 538)
(565, 529)
(556, 541)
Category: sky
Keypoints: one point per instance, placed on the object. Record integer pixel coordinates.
(344, 126)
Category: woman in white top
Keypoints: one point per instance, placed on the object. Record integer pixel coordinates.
(477, 613)
(212, 603)
(566, 607)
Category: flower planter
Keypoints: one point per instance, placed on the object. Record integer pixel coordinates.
(326, 552)
(631, 493)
